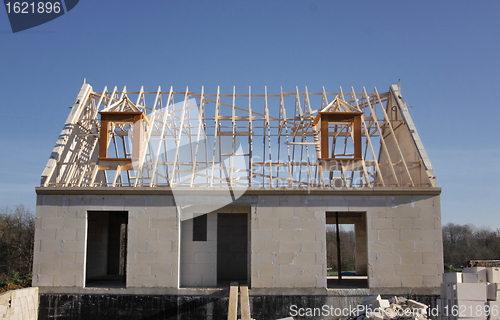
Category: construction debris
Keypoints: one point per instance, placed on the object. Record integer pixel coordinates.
(376, 308)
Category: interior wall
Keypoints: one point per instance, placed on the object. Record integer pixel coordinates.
(199, 258)
(361, 249)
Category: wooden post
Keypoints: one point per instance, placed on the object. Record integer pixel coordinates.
(339, 262)
(232, 312)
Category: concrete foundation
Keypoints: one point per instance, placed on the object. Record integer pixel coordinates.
(193, 307)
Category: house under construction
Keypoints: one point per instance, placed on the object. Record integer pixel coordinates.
(178, 193)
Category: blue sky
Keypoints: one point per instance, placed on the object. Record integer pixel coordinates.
(445, 53)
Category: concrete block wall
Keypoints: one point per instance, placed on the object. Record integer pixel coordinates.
(287, 235)
(403, 251)
(60, 239)
(288, 243)
(405, 248)
(199, 258)
(153, 242)
(21, 304)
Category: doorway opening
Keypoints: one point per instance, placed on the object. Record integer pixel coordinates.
(106, 262)
(346, 249)
(232, 248)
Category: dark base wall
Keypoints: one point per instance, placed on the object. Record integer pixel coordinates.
(180, 307)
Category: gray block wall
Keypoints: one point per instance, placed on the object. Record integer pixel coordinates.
(287, 240)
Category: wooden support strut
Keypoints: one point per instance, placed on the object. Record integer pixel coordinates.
(339, 261)
(201, 166)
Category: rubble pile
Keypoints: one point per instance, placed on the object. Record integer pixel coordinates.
(376, 308)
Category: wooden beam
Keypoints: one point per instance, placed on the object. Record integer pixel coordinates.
(232, 312)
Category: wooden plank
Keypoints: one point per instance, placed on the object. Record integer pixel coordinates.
(250, 130)
(367, 135)
(394, 136)
(200, 122)
(382, 141)
(163, 126)
(217, 106)
(232, 312)
(245, 303)
(178, 138)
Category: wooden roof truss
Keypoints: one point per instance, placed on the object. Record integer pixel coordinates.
(257, 140)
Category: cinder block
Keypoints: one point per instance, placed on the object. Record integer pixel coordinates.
(432, 281)
(289, 223)
(289, 246)
(390, 258)
(426, 246)
(381, 246)
(404, 269)
(74, 246)
(493, 291)
(76, 223)
(312, 269)
(388, 235)
(471, 291)
(262, 235)
(290, 271)
(389, 282)
(268, 223)
(312, 224)
(147, 234)
(304, 235)
(494, 310)
(454, 277)
(284, 282)
(412, 281)
(410, 235)
(404, 246)
(424, 223)
(434, 234)
(284, 235)
(481, 271)
(285, 258)
(139, 269)
(52, 222)
(268, 270)
(379, 304)
(383, 270)
(205, 257)
(493, 274)
(311, 246)
(402, 223)
(471, 309)
(432, 257)
(304, 258)
(427, 269)
(381, 224)
(470, 278)
(411, 258)
(267, 246)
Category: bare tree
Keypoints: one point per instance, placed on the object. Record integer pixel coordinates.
(17, 231)
(462, 243)
(347, 248)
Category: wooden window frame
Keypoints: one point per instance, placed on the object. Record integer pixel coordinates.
(350, 117)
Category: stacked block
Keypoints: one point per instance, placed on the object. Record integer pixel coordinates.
(471, 294)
